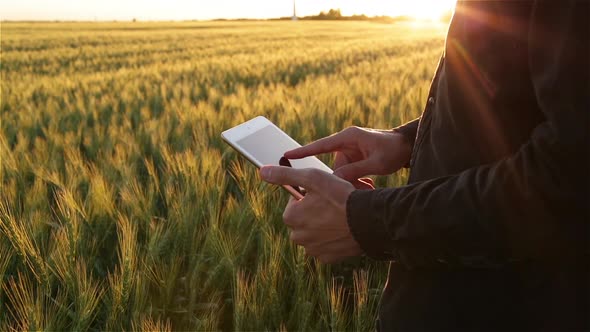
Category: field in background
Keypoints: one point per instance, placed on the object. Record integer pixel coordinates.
(120, 206)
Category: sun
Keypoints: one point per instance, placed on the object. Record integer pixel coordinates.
(423, 9)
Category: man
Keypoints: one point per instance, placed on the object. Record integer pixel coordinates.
(491, 232)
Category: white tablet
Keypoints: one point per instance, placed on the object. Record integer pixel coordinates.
(263, 143)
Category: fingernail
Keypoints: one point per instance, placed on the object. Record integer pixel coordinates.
(265, 173)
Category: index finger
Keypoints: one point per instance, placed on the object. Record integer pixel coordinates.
(323, 145)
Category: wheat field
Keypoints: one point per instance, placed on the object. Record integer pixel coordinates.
(122, 209)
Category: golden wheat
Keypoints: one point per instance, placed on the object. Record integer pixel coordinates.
(121, 207)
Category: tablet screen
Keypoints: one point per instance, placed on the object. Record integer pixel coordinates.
(268, 145)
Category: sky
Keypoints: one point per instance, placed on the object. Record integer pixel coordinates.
(205, 10)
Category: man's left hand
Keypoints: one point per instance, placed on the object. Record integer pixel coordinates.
(317, 221)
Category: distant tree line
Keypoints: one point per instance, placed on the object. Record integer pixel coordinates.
(336, 15)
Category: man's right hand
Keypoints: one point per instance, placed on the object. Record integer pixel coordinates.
(360, 152)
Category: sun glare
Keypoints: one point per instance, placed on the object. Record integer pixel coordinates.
(425, 9)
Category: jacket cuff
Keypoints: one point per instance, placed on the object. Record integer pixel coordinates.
(366, 227)
(409, 130)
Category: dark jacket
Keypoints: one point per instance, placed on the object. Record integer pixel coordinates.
(492, 230)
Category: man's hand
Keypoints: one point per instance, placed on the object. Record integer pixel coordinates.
(360, 152)
(317, 221)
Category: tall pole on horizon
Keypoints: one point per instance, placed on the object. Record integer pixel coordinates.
(294, 18)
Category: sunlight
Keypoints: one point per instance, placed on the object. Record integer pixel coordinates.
(422, 9)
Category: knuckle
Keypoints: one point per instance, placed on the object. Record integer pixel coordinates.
(351, 130)
(356, 129)
(331, 259)
(289, 214)
(319, 175)
(289, 217)
(311, 252)
(278, 174)
(324, 259)
(312, 175)
(315, 178)
(318, 178)
(295, 237)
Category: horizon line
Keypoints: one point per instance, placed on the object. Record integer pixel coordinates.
(138, 20)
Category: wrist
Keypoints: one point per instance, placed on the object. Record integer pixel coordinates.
(405, 146)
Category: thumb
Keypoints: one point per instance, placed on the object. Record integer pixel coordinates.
(351, 172)
(287, 176)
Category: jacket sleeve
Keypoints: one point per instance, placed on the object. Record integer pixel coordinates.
(409, 130)
(532, 204)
